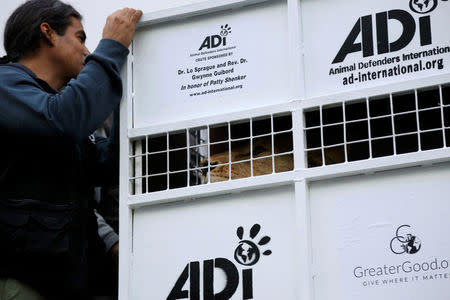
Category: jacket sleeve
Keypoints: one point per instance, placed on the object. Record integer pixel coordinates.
(106, 233)
(75, 112)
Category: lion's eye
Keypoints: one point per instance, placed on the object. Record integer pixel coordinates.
(258, 150)
(213, 165)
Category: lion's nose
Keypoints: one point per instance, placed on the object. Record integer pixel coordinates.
(211, 167)
(213, 164)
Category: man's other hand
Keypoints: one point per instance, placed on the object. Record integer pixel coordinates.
(121, 25)
(114, 253)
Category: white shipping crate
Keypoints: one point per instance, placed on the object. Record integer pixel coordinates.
(287, 150)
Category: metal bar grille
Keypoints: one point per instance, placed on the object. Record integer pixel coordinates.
(387, 125)
(212, 153)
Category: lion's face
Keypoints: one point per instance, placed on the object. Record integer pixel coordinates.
(262, 160)
(241, 167)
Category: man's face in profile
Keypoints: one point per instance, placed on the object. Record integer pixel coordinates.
(70, 50)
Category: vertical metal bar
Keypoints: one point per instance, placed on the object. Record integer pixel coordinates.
(168, 163)
(441, 101)
(417, 120)
(298, 126)
(369, 135)
(208, 178)
(147, 173)
(229, 150)
(304, 263)
(321, 135)
(126, 187)
(344, 122)
(131, 58)
(273, 142)
(138, 167)
(188, 158)
(394, 138)
(131, 168)
(251, 147)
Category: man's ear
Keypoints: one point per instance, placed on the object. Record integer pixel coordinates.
(48, 34)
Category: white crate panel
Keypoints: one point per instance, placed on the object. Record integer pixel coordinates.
(354, 220)
(326, 25)
(258, 35)
(167, 237)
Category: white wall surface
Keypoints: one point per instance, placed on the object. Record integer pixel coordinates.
(94, 13)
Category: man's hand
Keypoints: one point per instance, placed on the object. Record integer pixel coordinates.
(121, 25)
(114, 253)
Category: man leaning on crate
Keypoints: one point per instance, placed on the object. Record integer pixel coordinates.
(53, 95)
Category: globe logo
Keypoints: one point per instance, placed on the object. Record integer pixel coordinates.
(247, 253)
(422, 6)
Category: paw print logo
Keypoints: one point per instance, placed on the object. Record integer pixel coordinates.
(247, 252)
(225, 30)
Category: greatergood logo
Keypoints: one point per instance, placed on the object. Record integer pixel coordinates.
(247, 253)
(383, 20)
(405, 241)
(214, 41)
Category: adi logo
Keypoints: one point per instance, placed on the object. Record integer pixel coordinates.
(214, 41)
(247, 253)
(373, 31)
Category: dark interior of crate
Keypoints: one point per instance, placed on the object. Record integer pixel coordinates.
(361, 129)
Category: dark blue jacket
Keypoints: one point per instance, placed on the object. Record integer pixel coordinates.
(48, 167)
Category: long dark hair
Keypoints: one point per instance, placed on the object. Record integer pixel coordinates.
(23, 32)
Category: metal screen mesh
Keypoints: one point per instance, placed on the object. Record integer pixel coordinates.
(211, 153)
(386, 125)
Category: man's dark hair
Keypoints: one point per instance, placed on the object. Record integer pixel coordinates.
(22, 31)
